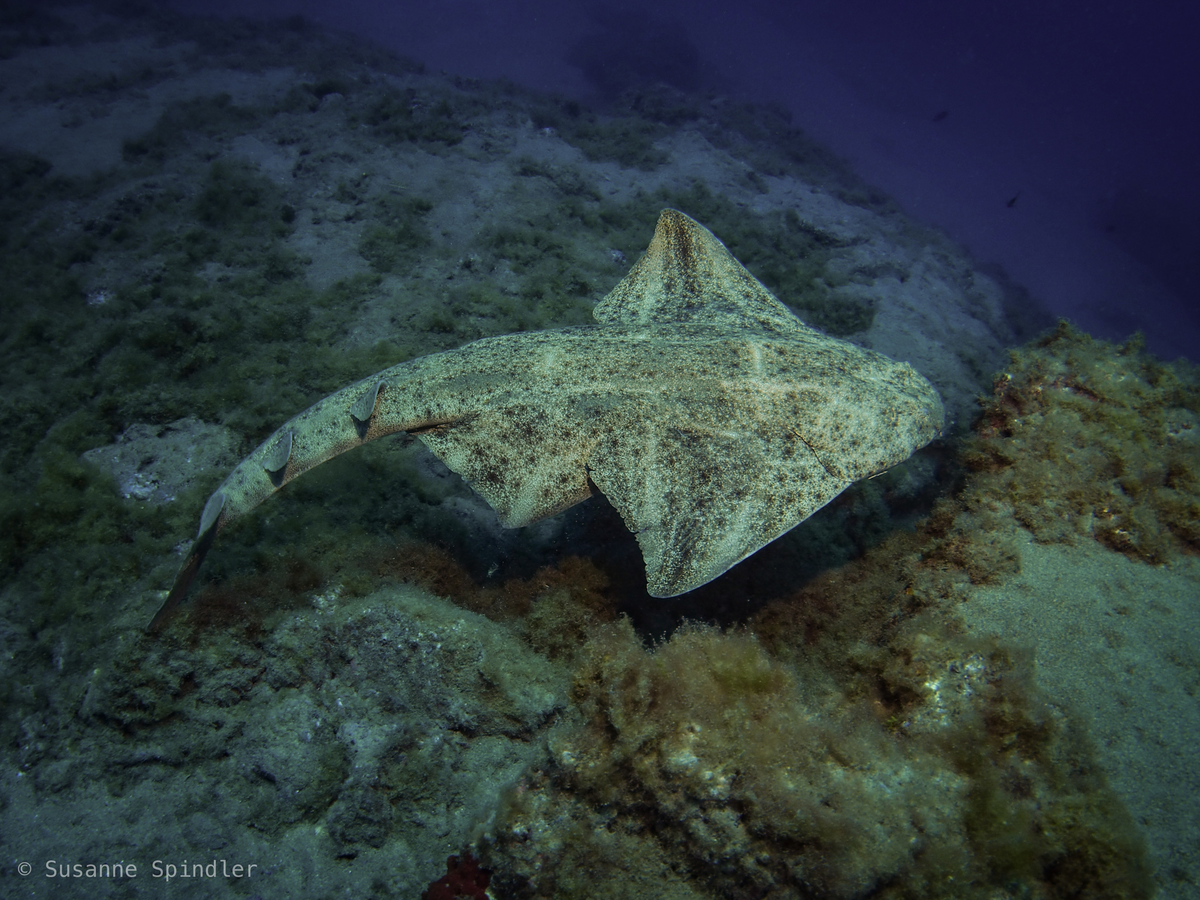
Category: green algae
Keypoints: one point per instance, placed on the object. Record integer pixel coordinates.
(396, 234)
(406, 115)
(157, 348)
(627, 141)
(764, 137)
(567, 180)
(211, 117)
(235, 199)
(307, 95)
(74, 512)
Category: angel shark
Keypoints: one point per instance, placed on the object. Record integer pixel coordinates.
(711, 417)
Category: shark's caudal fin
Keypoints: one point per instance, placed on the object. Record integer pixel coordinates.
(210, 524)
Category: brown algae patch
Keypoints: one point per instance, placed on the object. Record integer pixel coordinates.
(1081, 437)
(937, 770)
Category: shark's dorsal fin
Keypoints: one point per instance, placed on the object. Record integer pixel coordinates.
(688, 277)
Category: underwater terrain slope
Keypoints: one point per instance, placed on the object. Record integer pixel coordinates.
(972, 676)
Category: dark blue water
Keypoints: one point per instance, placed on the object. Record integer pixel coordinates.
(1059, 140)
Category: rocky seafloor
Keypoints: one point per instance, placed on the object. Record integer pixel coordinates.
(974, 676)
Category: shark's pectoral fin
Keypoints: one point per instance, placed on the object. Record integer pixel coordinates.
(210, 524)
(701, 498)
(525, 462)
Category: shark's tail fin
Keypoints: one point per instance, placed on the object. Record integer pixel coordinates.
(210, 524)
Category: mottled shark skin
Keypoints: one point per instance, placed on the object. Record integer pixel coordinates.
(710, 417)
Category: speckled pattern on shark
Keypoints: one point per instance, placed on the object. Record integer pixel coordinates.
(710, 416)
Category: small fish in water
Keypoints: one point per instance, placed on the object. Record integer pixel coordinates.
(942, 116)
(1013, 202)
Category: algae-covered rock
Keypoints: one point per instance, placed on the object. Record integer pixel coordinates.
(768, 783)
(391, 724)
(155, 463)
(1081, 437)
(937, 770)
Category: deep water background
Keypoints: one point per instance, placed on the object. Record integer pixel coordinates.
(1058, 140)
